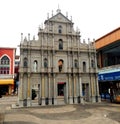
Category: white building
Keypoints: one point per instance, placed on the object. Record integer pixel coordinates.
(57, 65)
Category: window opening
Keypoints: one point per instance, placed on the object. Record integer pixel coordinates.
(25, 64)
(84, 66)
(60, 29)
(76, 63)
(5, 63)
(92, 63)
(60, 44)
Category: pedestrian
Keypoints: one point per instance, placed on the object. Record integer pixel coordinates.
(111, 95)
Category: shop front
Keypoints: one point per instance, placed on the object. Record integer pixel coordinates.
(109, 81)
(6, 86)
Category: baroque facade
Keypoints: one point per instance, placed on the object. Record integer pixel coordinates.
(57, 65)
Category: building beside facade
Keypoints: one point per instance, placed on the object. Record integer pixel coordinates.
(16, 77)
(7, 58)
(57, 65)
(17, 61)
(108, 57)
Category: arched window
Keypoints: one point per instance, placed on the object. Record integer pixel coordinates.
(76, 63)
(60, 29)
(5, 65)
(45, 63)
(92, 63)
(5, 60)
(60, 44)
(84, 66)
(35, 66)
(25, 62)
(60, 65)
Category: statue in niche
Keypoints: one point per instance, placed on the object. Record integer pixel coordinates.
(60, 65)
(60, 44)
(35, 66)
(45, 63)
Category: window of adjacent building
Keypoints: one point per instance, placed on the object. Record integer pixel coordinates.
(60, 65)
(4, 65)
(5, 60)
(60, 44)
(60, 29)
(35, 66)
(16, 63)
(45, 63)
(76, 63)
(84, 66)
(25, 62)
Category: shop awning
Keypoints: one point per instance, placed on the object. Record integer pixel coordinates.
(6, 81)
(111, 76)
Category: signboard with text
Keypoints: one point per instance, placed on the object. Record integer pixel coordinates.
(109, 76)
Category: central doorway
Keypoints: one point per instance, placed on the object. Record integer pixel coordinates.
(61, 88)
(85, 91)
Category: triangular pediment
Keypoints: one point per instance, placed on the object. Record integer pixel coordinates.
(59, 17)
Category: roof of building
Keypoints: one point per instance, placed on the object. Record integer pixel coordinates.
(7, 48)
(107, 34)
(109, 38)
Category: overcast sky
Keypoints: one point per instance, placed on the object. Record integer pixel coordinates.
(94, 18)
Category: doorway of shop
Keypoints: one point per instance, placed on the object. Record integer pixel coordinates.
(4, 89)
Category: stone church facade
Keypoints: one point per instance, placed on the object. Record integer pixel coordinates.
(58, 66)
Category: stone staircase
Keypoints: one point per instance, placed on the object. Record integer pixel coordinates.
(60, 100)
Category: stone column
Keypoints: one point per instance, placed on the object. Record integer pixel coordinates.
(20, 91)
(55, 90)
(75, 88)
(49, 85)
(53, 41)
(70, 90)
(98, 98)
(49, 59)
(81, 95)
(68, 62)
(43, 90)
(28, 92)
(68, 45)
(67, 93)
(42, 52)
(39, 94)
(42, 61)
(92, 82)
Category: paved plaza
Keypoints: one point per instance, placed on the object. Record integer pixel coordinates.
(88, 113)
